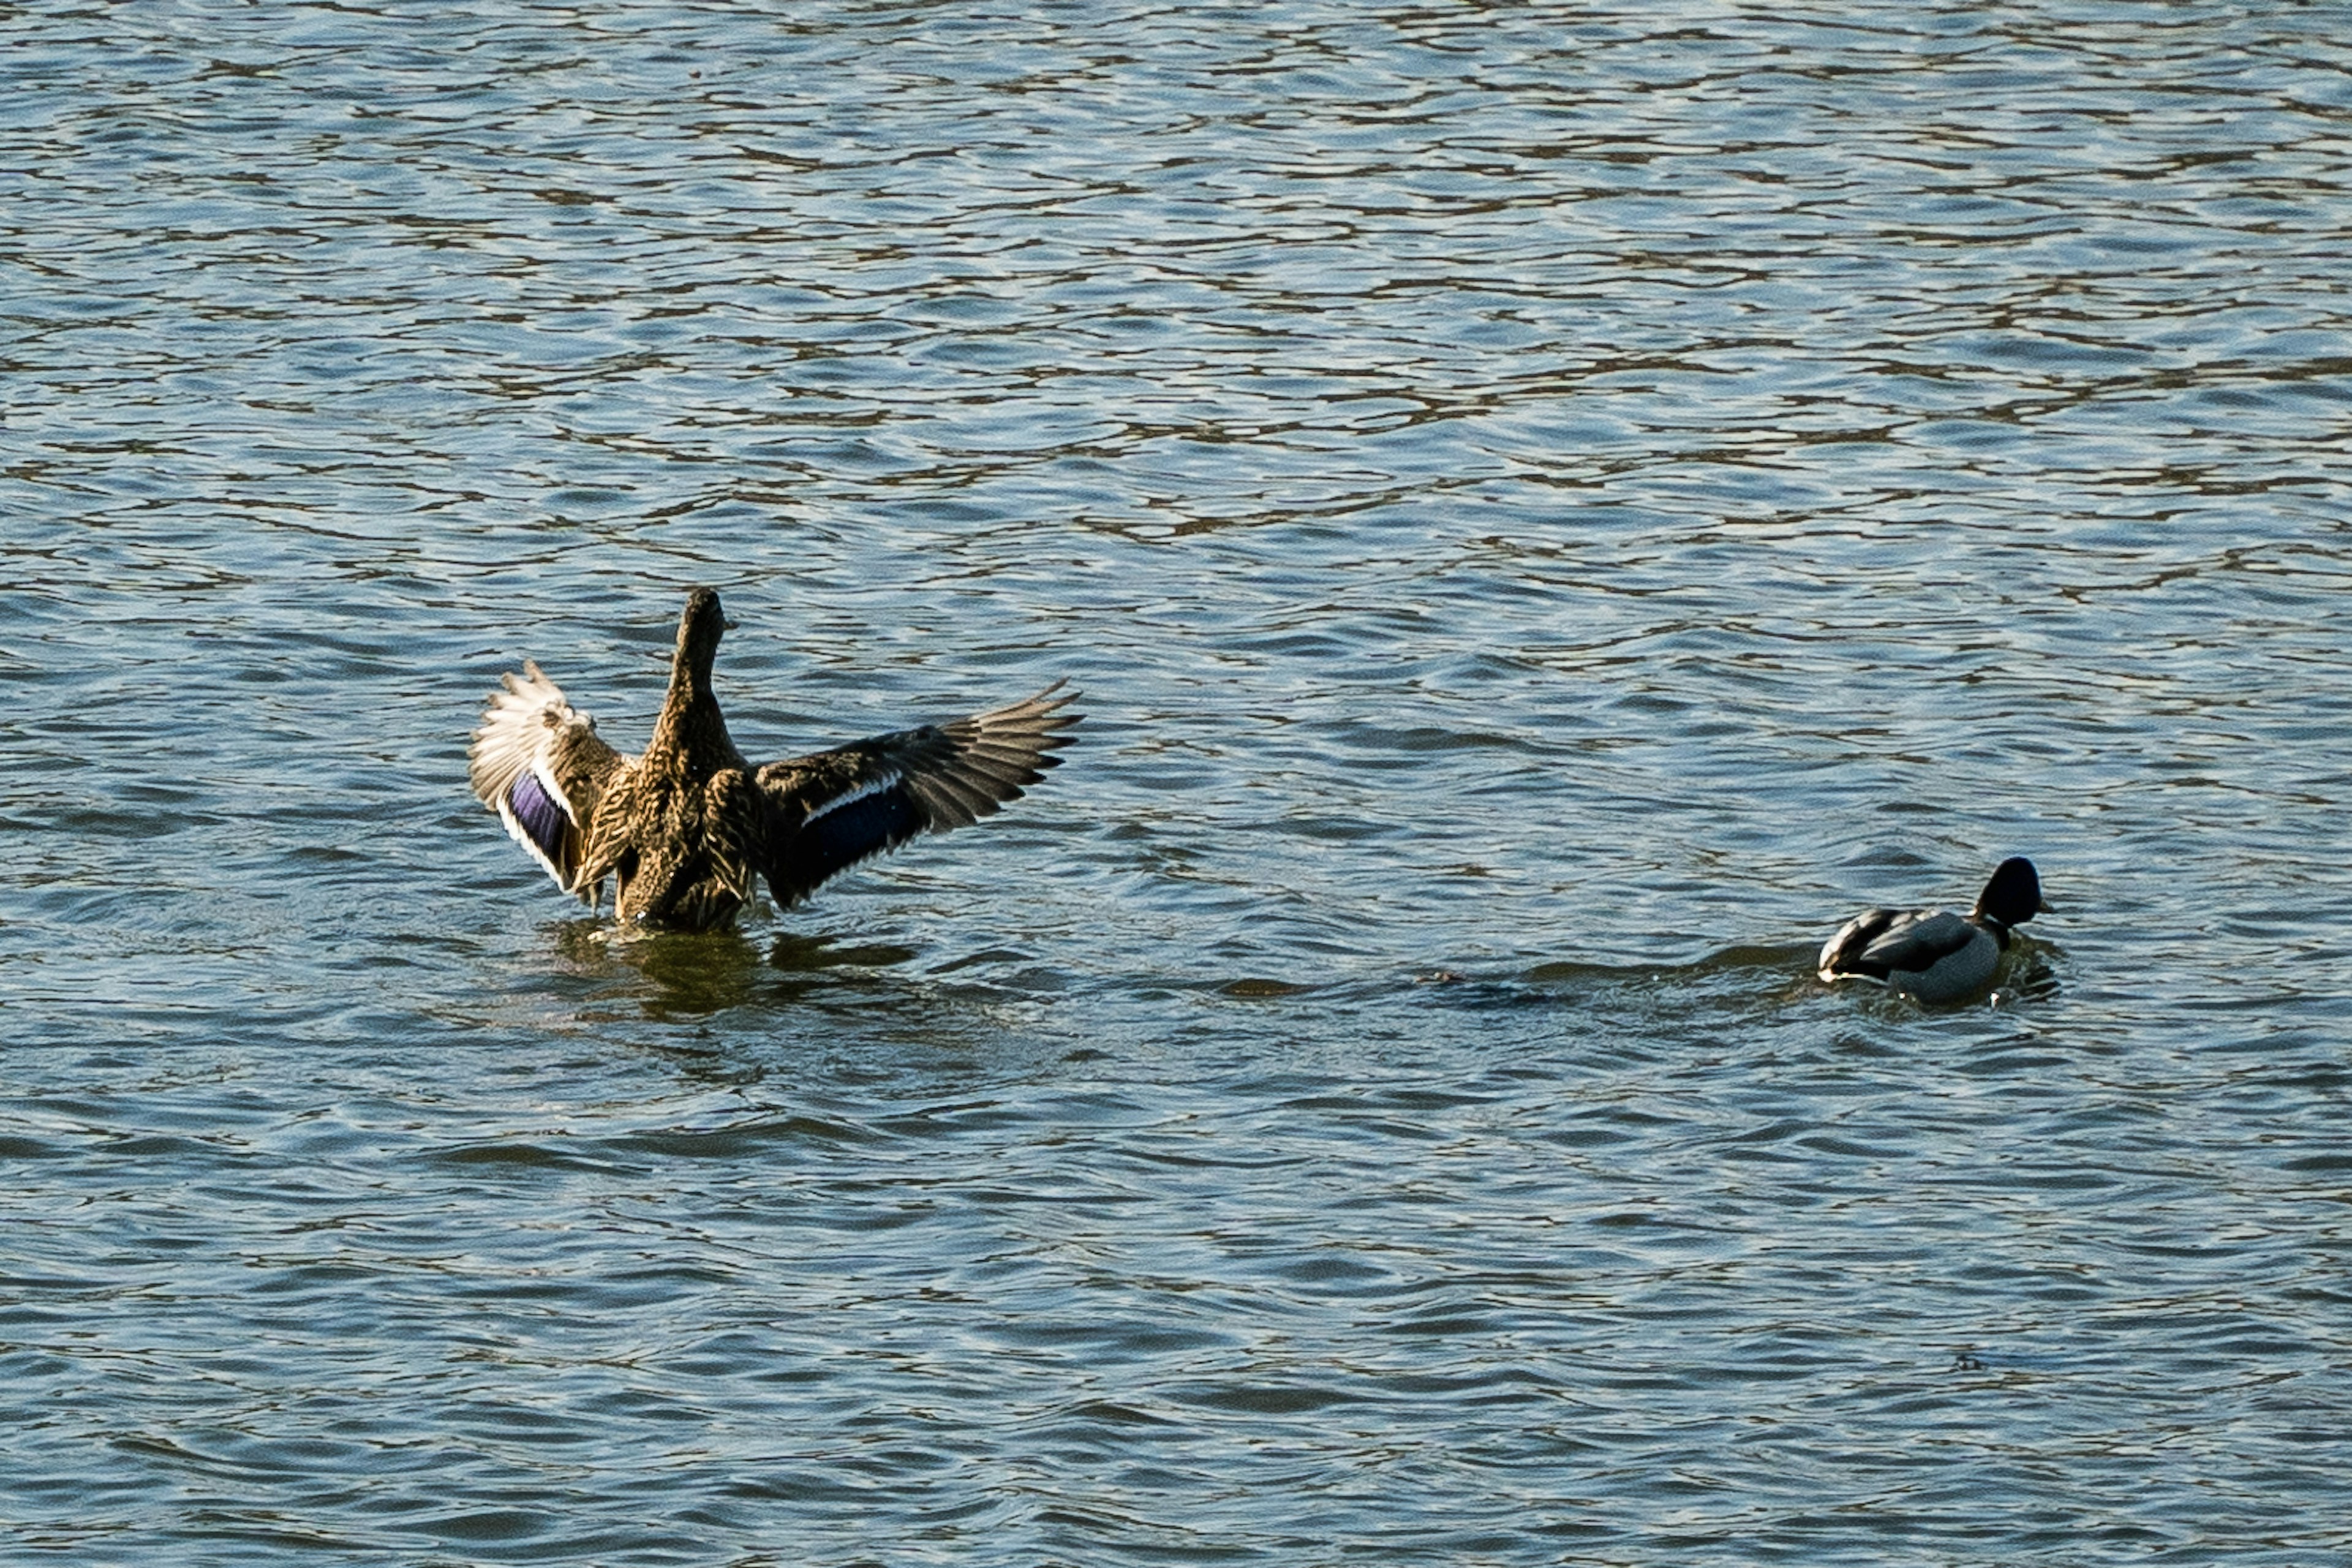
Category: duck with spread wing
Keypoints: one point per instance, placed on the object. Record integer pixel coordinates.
(684, 829)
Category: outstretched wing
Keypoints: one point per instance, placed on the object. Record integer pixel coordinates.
(829, 811)
(538, 762)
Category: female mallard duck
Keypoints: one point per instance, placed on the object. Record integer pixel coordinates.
(1934, 954)
(683, 829)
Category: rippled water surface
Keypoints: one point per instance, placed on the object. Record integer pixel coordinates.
(1550, 510)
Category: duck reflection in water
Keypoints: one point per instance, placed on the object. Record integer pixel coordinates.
(678, 975)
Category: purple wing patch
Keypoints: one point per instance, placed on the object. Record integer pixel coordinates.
(541, 818)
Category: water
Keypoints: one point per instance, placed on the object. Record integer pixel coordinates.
(1551, 509)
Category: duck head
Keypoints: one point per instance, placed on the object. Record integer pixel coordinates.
(2013, 896)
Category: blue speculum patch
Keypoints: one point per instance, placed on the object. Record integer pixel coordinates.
(541, 816)
(845, 836)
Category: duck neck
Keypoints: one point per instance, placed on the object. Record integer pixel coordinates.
(690, 718)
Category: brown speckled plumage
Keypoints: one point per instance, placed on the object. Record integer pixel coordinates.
(684, 830)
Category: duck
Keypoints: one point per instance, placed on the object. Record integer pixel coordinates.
(1936, 955)
(684, 829)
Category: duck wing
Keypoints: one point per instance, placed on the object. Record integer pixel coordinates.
(829, 811)
(1918, 942)
(538, 762)
(1879, 942)
(1842, 955)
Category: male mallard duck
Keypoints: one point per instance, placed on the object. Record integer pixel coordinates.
(1934, 954)
(684, 828)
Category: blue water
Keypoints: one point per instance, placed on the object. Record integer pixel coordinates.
(1550, 510)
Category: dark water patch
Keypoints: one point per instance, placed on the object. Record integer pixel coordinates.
(15, 1147)
(1262, 1399)
(745, 1140)
(518, 1156)
(1262, 988)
